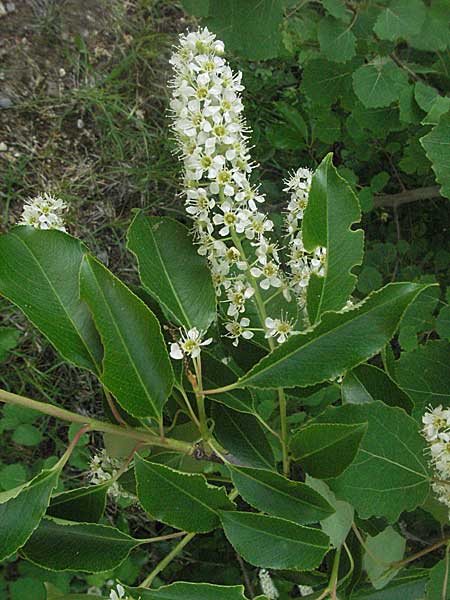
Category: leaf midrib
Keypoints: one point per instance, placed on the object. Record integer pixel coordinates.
(125, 347)
(169, 281)
(361, 315)
(78, 332)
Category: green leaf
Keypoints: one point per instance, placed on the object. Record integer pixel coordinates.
(26, 588)
(274, 494)
(84, 504)
(337, 9)
(65, 546)
(337, 40)
(243, 437)
(183, 500)
(435, 587)
(437, 147)
(136, 366)
(443, 323)
(51, 260)
(332, 210)
(339, 342)
(409, 584)
(53, 593)
(12, 476)
(324, 82)
(338, 525)
(389, 474)
(274, 543)
(418, 318)
(22, 508)
(425, 95)
(324, 450)
(401, 19)
(9, 337)
(189, 591)
(434, 33)
(424, 375)
(27, 435)
(367, 383)
(389, 547)
(217, 374)
(249, 29)
(199, 8)
(379, 83)
(172, 271)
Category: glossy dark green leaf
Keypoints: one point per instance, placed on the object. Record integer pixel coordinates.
(217, 374)
(339, 342)
(366, 383)
(47, 290)
(332, 210)
(408, 585)
(389, 474)
(189, 591)
(325, 450)
(183, 500)
(84, 504)
(22, 508)
(66, 546)
(243, 437)
(274, 494)
(274, 543)
(172, 271)
(136, 366)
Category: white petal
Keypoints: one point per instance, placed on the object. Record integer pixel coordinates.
(175, 351)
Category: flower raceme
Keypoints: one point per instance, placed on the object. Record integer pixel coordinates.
(230, 229)
(436, 430)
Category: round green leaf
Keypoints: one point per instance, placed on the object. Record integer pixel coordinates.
(27, 435)
(379, 83)
(337, 40)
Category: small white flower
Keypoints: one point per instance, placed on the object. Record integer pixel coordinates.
(305, 590)
(119, 593)
(189, 344)
(280, 329)
(237, 329)
(435, 421)
(319, 261)
(270, 275)
(44, 212)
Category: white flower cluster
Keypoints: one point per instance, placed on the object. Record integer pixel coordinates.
(212, 137)
(436, 430)
(300, 262)
(103, 468)
(44, 212)
(267, 585)
(305, 590)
